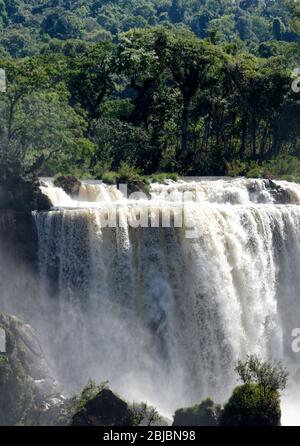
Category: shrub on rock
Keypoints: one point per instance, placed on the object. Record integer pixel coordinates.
(204, 414)
(248, 406)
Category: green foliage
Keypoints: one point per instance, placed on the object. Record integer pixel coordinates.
(109, 178)
(163, 177)
(248, 406)
(257, 401)
(90, 391)
(16, 389)
(284, 167)
(33, 24)
(204, 414)
(5, 369)
(62, 25)
(158, 99)
(269, 376)
(120, 142)
(129, 176)
(144, 415)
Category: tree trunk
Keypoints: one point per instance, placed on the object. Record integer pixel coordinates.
(253, 137)
(243, 139)
(185, 126)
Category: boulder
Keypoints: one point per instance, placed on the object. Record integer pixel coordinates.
(204, 414)
(70, 184)
(43, 202)
(106, 409)
(280, 195)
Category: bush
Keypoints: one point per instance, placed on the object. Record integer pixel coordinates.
(249, 406)
(257, 401)
(271, 376)
(284, 167)
(204, 414)
(109, 178)
(89, 392)
(127, 175)
(162, 177)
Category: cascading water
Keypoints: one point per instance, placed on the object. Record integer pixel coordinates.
(161, 314)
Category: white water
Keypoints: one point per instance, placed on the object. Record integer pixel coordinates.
(164, 317)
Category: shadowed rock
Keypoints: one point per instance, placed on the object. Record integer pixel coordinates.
(28, 389)
(106, 409)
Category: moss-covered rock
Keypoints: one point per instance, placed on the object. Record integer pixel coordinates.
(204, 414)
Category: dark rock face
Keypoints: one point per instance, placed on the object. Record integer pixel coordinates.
(106, 409)
(43, 202)
(206, 414)
(278, 193)
(19, 287)
(18, 237)
(28, 389)
(69, 184)
(19, 190)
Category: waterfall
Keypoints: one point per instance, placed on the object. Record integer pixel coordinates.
(161, 314)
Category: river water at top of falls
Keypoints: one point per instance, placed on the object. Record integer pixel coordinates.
(162, 315)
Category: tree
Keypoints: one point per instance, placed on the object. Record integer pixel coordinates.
(38, 124)
(144, 415)
(62, 25)
(277, 27)
(257, 402)
(91, 77)
(141, 58)
(189, 60)
(204, 414)
(247, 407)
(271, 376)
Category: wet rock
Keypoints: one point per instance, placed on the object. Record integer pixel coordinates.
(43, 202)
(70, 184)
(280, 195)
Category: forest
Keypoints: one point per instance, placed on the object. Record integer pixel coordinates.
(200, 87)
